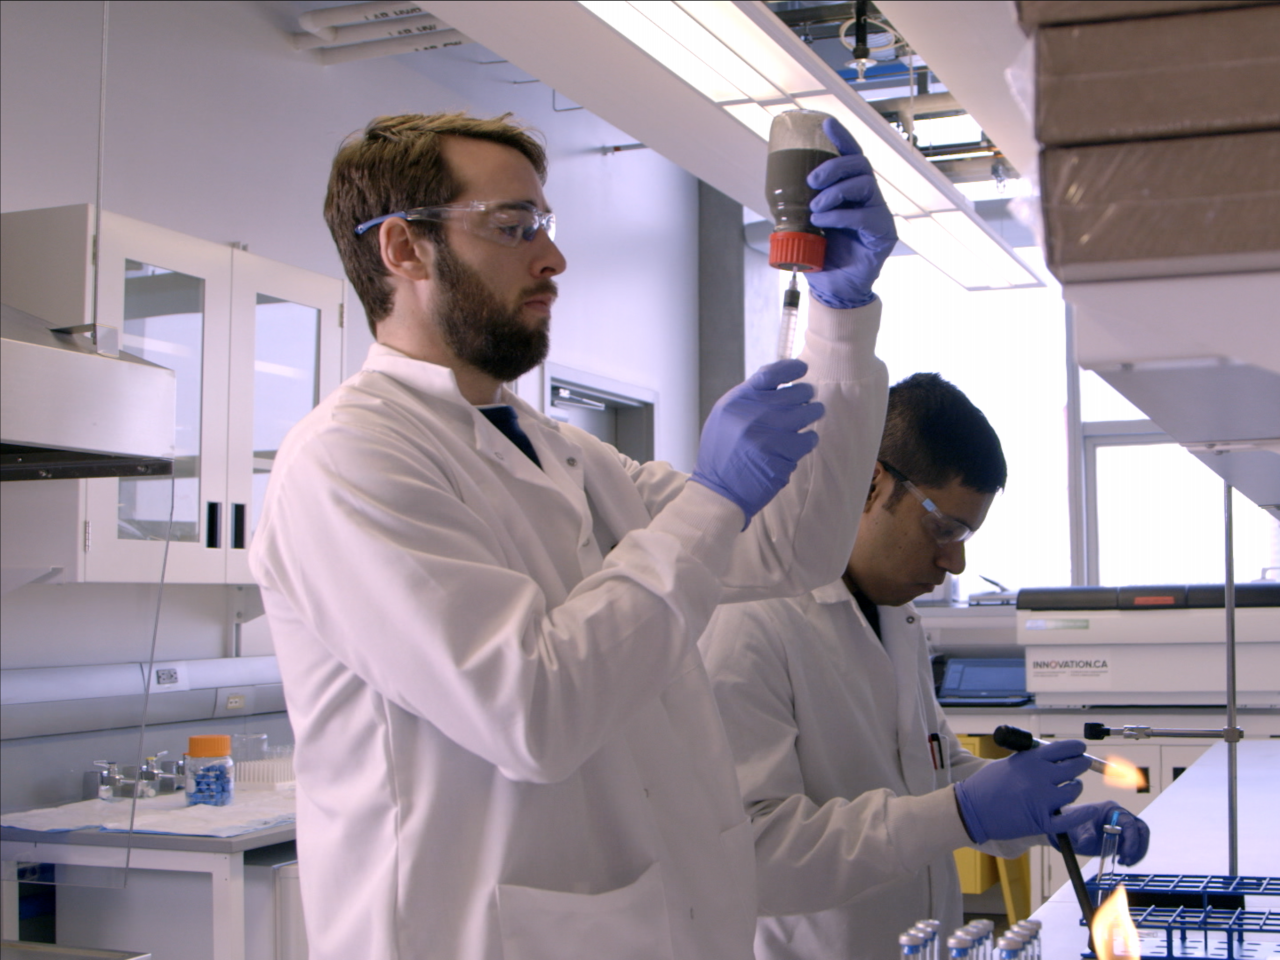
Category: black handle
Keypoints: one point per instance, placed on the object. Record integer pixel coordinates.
(213, 525)
(1013, 738)
(237, 526)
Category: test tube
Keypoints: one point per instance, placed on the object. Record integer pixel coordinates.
(1008, 948)
(1024, 938)
(986, 931)
(911, 946)
(1030, 931)
(958, 946)
(930, 937)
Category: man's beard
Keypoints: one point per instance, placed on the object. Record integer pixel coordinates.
(479, 330)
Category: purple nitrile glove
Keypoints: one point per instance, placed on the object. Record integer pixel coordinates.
(1021, 794)
(1083, 825)
(755, 435)
(857, 223)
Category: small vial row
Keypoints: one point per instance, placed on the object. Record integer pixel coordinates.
(974, 941)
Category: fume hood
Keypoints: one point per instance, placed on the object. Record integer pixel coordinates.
(69, 409)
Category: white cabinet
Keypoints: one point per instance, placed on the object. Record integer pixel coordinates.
(254, 344)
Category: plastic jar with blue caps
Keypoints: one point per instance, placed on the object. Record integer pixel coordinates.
(211, 773)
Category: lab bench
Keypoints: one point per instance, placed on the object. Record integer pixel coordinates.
(167, 891)
(1189, 837)
(1161, 760)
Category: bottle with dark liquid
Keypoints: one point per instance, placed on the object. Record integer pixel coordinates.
(796, 145)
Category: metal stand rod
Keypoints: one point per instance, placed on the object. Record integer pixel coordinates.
(1229, 604)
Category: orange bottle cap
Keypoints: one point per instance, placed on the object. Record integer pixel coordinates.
(209, 745)
(797, 250)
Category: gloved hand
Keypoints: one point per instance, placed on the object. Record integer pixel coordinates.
(859, 227)
(1019, 795)
(752, 442)
(1083, 826)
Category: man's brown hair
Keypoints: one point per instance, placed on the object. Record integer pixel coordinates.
(396, 163)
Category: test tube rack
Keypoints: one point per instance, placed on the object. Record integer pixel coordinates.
(1202, 930)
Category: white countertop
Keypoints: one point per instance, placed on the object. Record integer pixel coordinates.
(1189, 836)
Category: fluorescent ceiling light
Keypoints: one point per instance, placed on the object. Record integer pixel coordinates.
(978, 242)
(932, 241)
(695, 38)
(753, 45)
(648, 36)
(756, 118)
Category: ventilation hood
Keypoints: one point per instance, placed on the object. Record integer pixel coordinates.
(68, 411)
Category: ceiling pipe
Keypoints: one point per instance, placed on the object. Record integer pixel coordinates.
(381, 29)
(321, 22)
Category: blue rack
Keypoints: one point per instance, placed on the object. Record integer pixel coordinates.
(1204, 930)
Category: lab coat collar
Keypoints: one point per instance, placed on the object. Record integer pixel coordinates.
(439, 383)
(835, 592)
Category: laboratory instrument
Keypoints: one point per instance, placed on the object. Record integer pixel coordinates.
(1017, 739)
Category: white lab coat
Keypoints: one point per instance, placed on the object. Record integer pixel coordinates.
(830, 731)
(506, 743)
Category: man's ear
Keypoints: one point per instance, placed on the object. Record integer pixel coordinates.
(404, 253)
(878, 478)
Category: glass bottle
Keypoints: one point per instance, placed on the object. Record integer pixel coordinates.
(210, 771)
(797, 144)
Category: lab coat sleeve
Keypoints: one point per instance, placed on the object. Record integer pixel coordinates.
(809, 856)
(411, 588)
(803, 537)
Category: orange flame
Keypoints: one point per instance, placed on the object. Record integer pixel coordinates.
(1124, 774)
(1114, 934)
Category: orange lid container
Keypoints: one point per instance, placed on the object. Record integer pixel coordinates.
(797, 250)
(209, 745)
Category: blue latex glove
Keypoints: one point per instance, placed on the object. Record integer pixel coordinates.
(752, 439)
(1083, 826)
(1020, 795)
(859, 227)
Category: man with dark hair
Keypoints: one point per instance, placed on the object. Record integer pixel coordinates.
(486, 620)
(856, 787)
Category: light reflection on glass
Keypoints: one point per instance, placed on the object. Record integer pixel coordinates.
(285, 380)
(164, 324)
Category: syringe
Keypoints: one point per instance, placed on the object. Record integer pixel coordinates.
(790, 318)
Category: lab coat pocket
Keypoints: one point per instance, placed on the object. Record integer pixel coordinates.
(629, 923)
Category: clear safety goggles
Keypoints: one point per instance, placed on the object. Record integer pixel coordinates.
(942, 528)
(508, 222)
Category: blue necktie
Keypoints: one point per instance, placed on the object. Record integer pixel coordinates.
(504, 418)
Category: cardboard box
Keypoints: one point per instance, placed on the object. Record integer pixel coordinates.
(1038, 13)
(1160, 77)
(1160, 208)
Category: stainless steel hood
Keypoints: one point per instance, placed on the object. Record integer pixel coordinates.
(67, 410)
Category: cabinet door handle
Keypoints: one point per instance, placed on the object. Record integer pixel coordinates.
(213, 526)
(237, 526)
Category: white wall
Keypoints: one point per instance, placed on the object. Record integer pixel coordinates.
(217, 128)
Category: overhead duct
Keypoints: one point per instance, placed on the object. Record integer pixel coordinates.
(364, 31)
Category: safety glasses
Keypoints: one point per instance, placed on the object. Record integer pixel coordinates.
(942, 528)
(508, 222)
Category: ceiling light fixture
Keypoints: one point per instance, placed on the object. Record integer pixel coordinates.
(741, 57)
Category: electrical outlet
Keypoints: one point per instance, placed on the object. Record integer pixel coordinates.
(166, 675)
(235, 701)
